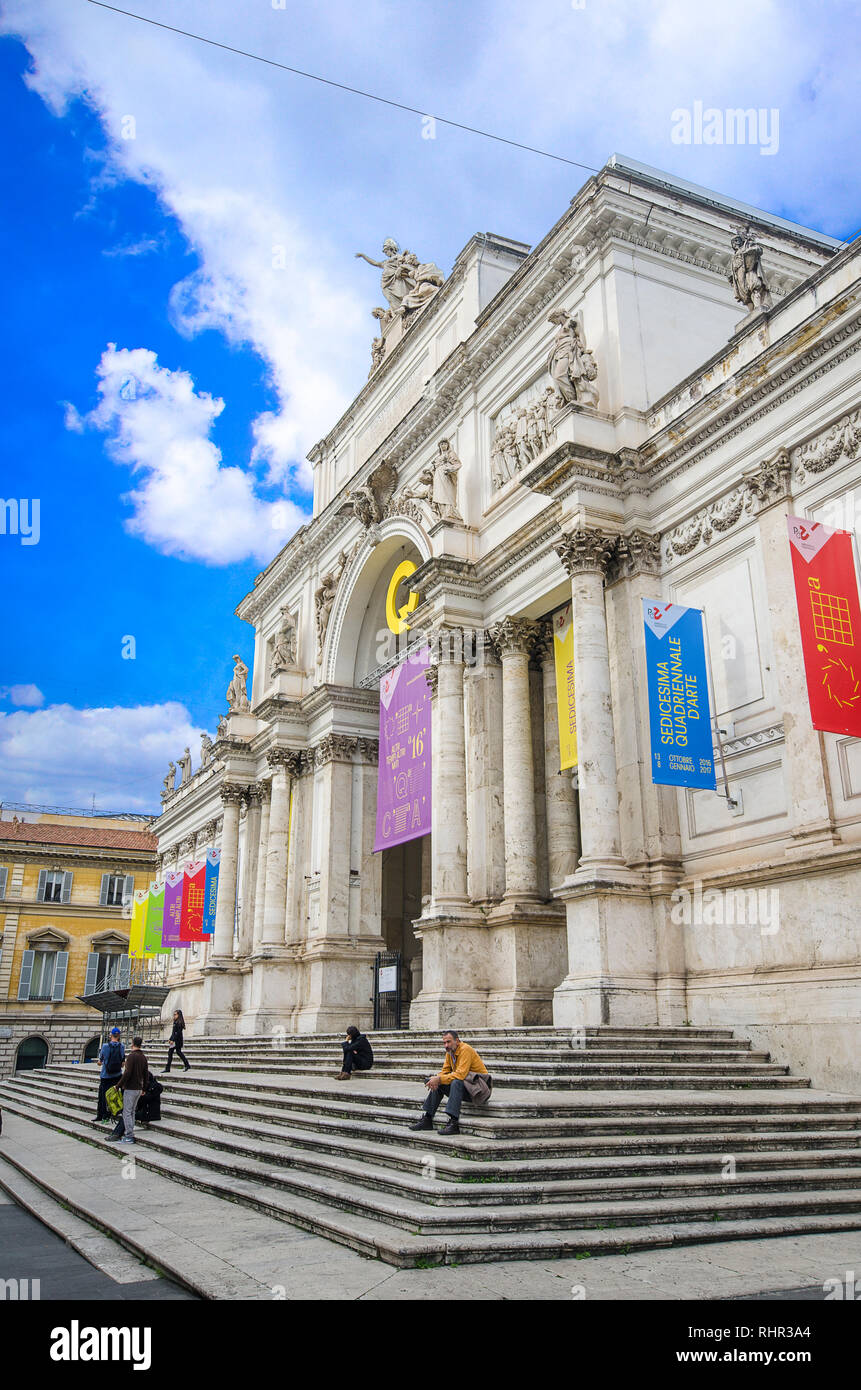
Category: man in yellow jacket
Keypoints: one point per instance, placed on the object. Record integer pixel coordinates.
(461, 1061)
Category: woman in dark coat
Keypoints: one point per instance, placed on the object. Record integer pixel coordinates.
(175, 1040)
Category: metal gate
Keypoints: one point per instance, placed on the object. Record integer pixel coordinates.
(387, 989)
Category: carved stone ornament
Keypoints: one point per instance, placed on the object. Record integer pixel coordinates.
(371, 499)
(840, 441)
(284, 643)
(335, 748)
(288, 758)
(324, 599)
(770, 481)
(638, 552)
(587, 549)
(369, 750)
(514, 636)
(432, 678)
(232, 793)
(526, 432)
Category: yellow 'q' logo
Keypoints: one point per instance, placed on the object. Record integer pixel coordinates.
(397, 617)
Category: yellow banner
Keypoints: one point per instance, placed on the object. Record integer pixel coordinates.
(563, 652)
(136, 931)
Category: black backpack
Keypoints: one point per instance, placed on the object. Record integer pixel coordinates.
(114, 1059)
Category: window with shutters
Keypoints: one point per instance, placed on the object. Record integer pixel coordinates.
(114, 889)
(4, 878)
(42, 978)
(52, 888)
(55, 886)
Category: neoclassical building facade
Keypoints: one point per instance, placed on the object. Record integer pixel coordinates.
(629, 410)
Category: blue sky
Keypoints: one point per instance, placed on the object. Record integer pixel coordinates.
(149, 181)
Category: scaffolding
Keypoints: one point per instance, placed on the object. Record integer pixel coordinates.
(132, 998)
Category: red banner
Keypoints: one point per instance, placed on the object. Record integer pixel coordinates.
(826, 590)
(193, 898)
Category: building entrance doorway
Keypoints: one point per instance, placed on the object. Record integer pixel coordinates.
(406, 877)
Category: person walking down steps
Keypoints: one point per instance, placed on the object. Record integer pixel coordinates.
(174, 1044)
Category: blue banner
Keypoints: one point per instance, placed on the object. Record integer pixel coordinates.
(679, 709)
(210, 891)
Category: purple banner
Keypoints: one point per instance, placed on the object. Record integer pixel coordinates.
(172, 910)
(404, 778)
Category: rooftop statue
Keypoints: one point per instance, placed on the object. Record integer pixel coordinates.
(237, 700)
(745, 276)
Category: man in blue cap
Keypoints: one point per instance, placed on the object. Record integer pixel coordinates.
(112, 1055)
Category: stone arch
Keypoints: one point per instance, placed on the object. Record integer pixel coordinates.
(347, 639)
(32, 1053)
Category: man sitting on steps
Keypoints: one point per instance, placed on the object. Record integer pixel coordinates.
(462, 1071)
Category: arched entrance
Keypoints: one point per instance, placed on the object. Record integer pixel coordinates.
(361, 647)
(32, 1054)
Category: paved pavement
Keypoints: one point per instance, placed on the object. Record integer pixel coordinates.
(29, 1250)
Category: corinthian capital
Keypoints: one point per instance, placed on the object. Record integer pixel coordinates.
(337, 748)
(770, 481)
(514, 635)
(586, 549)
(288, 758)
(638, 552)
(232, 793)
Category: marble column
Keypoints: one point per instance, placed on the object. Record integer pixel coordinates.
(273, 929)
(563, 822)
(225, 910)
(265, 789)
(251, 852)
(514, 639)
(770, 489)
(448, 756)
(585, 555)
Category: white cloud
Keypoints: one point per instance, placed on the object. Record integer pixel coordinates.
(29, 695)
(61, 756)
(186, 502)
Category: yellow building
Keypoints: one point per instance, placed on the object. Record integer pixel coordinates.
(66, 886)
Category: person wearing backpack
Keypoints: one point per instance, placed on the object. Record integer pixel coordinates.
(112, 1055)
(174, 1043)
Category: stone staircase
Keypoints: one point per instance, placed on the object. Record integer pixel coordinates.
(627, 1138)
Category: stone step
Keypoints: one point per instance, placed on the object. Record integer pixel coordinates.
(298, 1197)
(497, 1048)
(432, 1061)
(511, 1113)
(572, 1078)
(305, 1107)
(506, 1036)
(403, 1151)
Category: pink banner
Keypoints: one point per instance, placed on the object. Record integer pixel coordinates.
(404, 777)
(172, 910)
